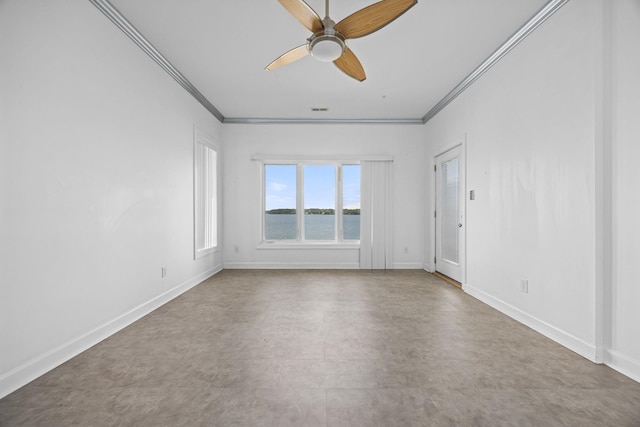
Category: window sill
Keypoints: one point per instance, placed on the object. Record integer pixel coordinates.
(306, 245)
(201, 253)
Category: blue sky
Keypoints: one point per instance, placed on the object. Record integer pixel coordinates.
(351, 186)
(280, 186)
(319, 186)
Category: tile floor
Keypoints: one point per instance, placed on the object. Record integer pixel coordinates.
(326, 348)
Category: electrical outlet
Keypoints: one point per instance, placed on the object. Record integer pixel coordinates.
(164, 272)
(237, 249)
(524, 286)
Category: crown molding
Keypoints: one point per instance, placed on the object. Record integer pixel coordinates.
(121, 22)
(260, 121)
(534, 22)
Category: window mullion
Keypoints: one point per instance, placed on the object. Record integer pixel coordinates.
(300, 200)
(263, 202)
(339, 203)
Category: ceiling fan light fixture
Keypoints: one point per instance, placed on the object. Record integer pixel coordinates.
(327, 48)
(328, 40)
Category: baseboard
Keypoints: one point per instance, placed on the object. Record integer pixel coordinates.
(623, 364)
(429, 268)
(311, 266)
(36, 367)
(561, 337)
(407, 266)
(290, 266)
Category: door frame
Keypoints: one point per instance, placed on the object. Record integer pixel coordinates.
(460, 141)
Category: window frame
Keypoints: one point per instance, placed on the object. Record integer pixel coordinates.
(300, 242)
(200, 224)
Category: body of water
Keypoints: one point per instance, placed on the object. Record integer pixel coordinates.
(317, 227)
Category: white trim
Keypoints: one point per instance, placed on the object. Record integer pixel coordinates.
(277, 158)
(604, 188)
(299, 204)
(573, 343)
(34, 368)
(293, 121)
(200, 138)
(459, 141)
(291, 266)
(429, 268)
(407, 266)
(121, 22)
(623, 364)
(534, 22)
(284, 244)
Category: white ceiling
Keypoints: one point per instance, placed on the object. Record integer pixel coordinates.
(222, 47)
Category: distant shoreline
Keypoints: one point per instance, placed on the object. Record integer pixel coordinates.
(312, 211)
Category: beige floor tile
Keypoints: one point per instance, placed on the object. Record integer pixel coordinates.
(326, 348)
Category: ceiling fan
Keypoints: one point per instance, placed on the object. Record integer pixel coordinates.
(328, 42)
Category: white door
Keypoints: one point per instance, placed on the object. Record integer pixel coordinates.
(450, 214)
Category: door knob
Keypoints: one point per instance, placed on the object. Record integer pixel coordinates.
(459, 224)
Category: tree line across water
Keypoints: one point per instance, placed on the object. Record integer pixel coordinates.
(312, 211)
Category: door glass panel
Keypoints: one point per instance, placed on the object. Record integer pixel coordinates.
(450, 214)
(319, 202)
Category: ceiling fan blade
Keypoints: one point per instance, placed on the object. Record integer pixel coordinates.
(372, 18)
(350, 65)
(304, 14)
(289, 57)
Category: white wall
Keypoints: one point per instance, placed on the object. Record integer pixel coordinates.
(551, 132)
(242, 187)
(529, 124)
(625, 340)
(96, 175)
(96, 183)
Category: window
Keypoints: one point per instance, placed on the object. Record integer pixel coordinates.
(205, 167)
(319, 202)
(280, 202)
(315, 202)
(351, 202)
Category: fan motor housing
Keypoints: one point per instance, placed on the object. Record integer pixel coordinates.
(327, 47)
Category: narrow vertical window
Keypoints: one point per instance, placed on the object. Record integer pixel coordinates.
(351, 202)
(205, 195)
(319, 202)
(280, 222)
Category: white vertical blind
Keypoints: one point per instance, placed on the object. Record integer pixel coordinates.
(375, 215)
